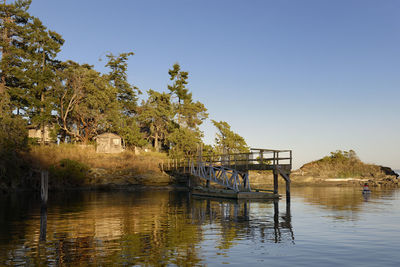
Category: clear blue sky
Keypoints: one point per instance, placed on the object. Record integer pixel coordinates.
(311, 76)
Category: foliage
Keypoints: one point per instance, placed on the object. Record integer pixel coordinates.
(69, 171)
(155, 115)
(86, 102)
(184, 142)
(188, 113)
(341, 164)
(341, 156)
(228, 141)
(77, 102)
(13, 139)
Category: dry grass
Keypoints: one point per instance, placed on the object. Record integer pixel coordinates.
(45, 156)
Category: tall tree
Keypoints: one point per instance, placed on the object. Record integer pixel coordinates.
(189, 114)
(156, 116)
(125, 123)
(87, 103)
(228, 141)
(13, 21)
(127, 93)
(42, 46)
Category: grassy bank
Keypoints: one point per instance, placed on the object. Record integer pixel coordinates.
(80, 166)
(47, 156)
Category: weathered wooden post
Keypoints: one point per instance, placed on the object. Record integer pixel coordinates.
(288, 188)
(276, 220)
(44, 190)
(43, 222)
(277, 157)
(275, 181)
(44, 186)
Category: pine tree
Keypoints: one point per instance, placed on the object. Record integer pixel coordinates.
(43, 46)
(228, 141)
(189, 114)
(127, 93)
(125, 123)
(156, 117)
(13, 33)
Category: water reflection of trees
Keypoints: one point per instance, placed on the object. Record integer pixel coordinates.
(153, 228)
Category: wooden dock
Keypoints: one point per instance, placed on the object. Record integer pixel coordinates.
(231, 172)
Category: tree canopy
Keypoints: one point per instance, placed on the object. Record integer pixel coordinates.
(79, 102)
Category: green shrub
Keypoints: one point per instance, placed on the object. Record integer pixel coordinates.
(69, 172)
(13, 139)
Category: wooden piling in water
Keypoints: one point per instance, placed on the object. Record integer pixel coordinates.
(275, 181)
(44, 186)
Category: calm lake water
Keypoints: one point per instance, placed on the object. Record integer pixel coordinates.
(322, 226)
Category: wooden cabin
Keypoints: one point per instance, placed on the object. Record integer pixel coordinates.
(108, 143)
(35, 132)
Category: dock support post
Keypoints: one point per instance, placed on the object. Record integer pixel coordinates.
(288, 189)
(43, 222)
(44, 190)
(275, 181)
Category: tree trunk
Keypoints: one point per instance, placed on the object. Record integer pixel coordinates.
(43, 125)
(42, 101)
(156, 142)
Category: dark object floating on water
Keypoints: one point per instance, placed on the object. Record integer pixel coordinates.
(366, 189)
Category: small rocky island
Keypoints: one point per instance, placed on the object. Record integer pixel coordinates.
(340, 168)
(344, 168)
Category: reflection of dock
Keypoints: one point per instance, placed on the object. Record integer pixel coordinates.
(254, 218)
(229, 173)
(226, 193)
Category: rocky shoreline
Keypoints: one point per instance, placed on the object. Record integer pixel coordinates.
(262, 179)
(132, 180)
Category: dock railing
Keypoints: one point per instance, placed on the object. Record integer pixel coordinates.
(256, 159)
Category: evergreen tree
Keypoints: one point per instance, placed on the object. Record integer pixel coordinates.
(125, 123)
(13, 34)
(184, 142)
(228, 141)
(127, 93)
(42, 47)
(156, 117)
(189, 114)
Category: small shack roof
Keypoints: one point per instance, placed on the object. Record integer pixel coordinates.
(108, 135)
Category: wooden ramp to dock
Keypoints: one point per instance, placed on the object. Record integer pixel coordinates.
(231, 171)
